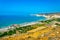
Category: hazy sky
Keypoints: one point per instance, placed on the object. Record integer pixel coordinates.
(17, 7)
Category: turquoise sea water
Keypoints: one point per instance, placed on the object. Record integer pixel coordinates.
(9, 20)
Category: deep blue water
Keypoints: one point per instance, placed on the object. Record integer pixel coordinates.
(8, 20)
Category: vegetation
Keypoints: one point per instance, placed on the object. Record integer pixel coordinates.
(39, 25)
(47, 21)
(20, 29)
(58, 19)
(57, 24)
(3, 34)
(10, 32)
(27, 28)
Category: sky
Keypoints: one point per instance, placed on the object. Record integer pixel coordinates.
(19, 7)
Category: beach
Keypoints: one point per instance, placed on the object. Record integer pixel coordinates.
(21, 25)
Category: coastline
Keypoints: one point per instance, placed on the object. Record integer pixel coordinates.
(21, 25)
(9, 20)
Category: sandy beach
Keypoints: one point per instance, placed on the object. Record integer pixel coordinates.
(21, 25)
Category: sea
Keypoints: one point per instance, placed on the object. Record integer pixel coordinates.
(7, 20)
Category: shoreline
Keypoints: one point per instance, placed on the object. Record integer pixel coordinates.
(21, 25)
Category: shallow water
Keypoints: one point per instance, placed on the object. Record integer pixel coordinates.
(8, 20)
